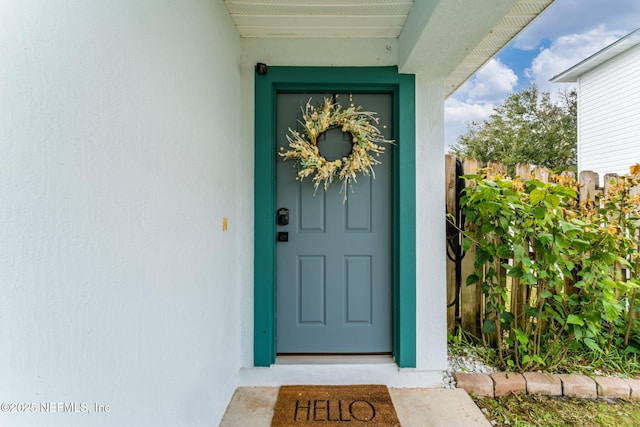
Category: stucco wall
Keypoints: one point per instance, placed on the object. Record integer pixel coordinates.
(119, 156)
(431, 316)
(608, 106)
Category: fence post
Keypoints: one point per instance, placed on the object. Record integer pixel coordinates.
(523, 170)
(519, 293)
(608, 178)
(541, 174)
(496, 168)
(588, 181)
(470, 296)
(452, 287)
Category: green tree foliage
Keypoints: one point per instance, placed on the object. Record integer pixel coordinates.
(529, 127)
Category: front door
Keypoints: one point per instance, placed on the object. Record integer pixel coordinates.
(334, 271)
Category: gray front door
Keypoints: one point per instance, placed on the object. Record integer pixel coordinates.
(334, 274)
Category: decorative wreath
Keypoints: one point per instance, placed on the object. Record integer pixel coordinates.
(366, 140)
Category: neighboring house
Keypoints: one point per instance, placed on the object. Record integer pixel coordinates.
(608, 107)
(138, 199)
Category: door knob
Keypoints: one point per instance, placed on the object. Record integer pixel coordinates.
(283, 216)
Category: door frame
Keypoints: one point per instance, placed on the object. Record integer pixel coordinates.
(353, 79)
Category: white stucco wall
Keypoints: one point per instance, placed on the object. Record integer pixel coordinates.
(609, 115)
(431, 315)
(126, 135)
(120, 153)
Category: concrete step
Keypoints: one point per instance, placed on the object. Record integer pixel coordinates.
(416, 407)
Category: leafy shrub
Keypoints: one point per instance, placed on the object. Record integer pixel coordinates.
(558, 277)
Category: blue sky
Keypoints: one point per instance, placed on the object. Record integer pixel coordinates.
(565, 34)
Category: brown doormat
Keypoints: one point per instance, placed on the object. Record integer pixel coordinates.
(318, 406)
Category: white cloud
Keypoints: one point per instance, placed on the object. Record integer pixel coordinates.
(464, 112)
(458, 114)
(475, 100)
(492, 83)
(565, 52)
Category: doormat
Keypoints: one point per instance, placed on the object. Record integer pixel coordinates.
(318, 406)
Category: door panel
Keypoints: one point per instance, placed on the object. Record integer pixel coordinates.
(312, 290)
(334, 274)
(359, 289)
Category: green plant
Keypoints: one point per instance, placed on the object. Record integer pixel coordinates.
(558, 277)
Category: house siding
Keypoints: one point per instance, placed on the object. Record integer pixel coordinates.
(120, 154)
(609, 115)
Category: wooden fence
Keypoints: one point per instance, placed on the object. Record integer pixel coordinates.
(465, 304)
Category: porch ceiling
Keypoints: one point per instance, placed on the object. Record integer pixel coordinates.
(319, 18)
(451, 39)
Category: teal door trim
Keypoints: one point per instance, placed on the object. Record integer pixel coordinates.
(361, 79)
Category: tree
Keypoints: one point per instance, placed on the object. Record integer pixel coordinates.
(527, 128)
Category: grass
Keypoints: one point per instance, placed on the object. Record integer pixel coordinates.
(535, 410)
(613, 362)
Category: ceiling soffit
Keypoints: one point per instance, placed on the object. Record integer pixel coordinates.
(451, 38)
(319, 18)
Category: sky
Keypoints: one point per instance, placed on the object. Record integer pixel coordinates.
(568, 32)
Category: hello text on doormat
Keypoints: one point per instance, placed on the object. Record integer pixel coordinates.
(318, 406)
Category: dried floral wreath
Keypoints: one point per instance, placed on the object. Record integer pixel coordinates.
(366, 140)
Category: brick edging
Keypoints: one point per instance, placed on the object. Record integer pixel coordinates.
(574, 385)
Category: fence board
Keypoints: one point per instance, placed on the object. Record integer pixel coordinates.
(541, 174)
(588, 181)
(452, 287)
(496, 168)
(609, 178)
(523, 170)
(470, 296)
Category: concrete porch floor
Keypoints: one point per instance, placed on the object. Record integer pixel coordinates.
(416, 407)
